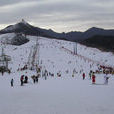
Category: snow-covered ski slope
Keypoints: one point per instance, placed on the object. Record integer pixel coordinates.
(57, 95)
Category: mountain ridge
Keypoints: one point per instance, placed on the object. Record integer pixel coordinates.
(78, 36)
(87, 38)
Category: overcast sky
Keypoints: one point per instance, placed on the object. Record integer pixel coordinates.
(59, 15)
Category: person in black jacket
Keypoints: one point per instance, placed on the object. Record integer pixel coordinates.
(26, 79)
(12, 81)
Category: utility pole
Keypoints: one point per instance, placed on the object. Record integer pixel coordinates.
(75, 47)
(33, 59)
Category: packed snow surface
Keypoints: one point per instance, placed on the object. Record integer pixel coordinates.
(57, 95)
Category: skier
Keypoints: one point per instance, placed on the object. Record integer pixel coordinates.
(12, 81)
(37, 78)
(106, 79)
(93, 79)
(2, 72)
(26, 79)
(90, 74)
(33, 78)
(9, 71)
(67, 71)
(74, 71)
(21, 79)
(73, 75)
(83, 76)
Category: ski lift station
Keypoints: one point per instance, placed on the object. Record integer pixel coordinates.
(4, 60)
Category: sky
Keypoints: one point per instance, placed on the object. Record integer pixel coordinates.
(59, 15)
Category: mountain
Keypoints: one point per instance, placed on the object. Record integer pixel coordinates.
(19, 39)
(97, 31)
(13, 38)
(94, 34)
(26, 28)
(104, 43)
(99, 38)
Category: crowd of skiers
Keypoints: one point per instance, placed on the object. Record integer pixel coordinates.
(92, 77)
(44, 74)
(23, 79)
(105, 70)
(35, 78)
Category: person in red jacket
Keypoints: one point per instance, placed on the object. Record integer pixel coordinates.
(93, 79)
(83, 76)
(21, 79)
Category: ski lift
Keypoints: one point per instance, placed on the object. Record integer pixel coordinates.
(4, 60)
